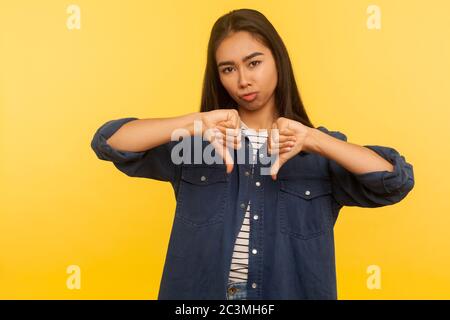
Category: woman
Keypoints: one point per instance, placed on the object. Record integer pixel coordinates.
(238, 233)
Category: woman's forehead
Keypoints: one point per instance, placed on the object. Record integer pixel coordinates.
(238, 45)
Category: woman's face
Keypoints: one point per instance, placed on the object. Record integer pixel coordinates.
(245, 65)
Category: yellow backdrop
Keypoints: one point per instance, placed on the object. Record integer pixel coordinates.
(74, 227)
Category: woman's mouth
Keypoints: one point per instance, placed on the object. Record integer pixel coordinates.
(250, 97)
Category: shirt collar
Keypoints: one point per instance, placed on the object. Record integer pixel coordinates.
(245, 129)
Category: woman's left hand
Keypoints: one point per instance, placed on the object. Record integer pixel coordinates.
(287, 141)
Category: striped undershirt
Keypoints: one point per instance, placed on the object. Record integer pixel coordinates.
(239, 261)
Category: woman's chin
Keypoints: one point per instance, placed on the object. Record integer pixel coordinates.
(250, 106)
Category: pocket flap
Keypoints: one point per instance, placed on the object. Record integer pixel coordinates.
(204, 175)
(307, 189)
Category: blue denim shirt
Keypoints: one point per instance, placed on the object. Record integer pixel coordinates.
(291, 223)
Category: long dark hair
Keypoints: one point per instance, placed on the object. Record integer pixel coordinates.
(287, 96)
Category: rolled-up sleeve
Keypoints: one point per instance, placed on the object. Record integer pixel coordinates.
(154, 163)
(372, 189)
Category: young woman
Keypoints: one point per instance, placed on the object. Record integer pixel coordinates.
(240, 233)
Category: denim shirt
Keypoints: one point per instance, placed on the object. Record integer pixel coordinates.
(291, 245)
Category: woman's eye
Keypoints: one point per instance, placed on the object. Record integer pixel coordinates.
(225, 69)
(253, 63)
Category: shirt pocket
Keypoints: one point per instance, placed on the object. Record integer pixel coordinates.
(203, 195)
(304, 207)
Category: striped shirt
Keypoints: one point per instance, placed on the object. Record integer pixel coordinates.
(239, 261)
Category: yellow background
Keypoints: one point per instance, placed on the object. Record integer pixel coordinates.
(61, 206)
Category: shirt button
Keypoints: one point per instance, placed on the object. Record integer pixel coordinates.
(307, 192)
(254, 251)
(254, 285)
(203, 178)
(242, 205)
(232, 290)
(261, 155)
(247, 173)
(258, 183)
(255, 217)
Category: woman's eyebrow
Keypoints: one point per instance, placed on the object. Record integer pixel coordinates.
(254, 54)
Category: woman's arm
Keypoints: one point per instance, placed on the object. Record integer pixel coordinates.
(143, 147)
(144, 134)
(355, 158)
(366, 176)
(375, 185)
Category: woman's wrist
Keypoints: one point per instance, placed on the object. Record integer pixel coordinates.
(312, 140)
(194, 123)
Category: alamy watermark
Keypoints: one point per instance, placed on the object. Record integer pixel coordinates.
(182, 151)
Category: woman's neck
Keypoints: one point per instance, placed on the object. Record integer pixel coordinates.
(258, 119)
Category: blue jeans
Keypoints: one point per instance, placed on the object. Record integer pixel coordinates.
(237, 291)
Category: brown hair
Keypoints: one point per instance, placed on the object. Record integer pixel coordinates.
(287, 96)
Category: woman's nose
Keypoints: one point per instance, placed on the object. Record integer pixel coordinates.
(243, 79)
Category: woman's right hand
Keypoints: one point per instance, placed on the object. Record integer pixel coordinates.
(221, 128)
